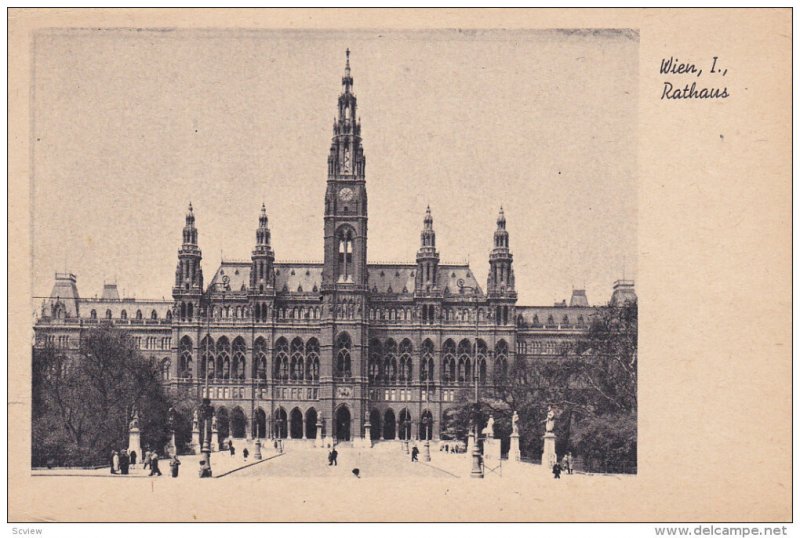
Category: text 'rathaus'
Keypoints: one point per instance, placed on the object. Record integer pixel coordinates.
(292, 347)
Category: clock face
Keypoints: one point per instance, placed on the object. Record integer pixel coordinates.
(346, 194)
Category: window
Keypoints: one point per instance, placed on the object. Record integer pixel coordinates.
(207, 349)
(406, 367)
(312, 360)
(501, 362)
(343, 345)
(390, 362)
(426, 362)
(124, 315)
(239, 360)
(138, 314)
(165, 365)
(281, 360)
(108, 314)
(449, 362)
(223, 358)
(185, 354)
(345, 259)
(153, 315)
(464, 362)
(297, 371)
(260, 359)
(93, 314)
(374, 365)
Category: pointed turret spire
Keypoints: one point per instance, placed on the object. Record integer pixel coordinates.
(501, 272)
(188, 273)
(347, 79)
(263, 234)
(427, 257)
(189, 231)
(262, 257)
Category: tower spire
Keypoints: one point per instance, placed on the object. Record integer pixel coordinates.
(427, 257)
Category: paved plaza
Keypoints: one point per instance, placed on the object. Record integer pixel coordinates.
(386, 460)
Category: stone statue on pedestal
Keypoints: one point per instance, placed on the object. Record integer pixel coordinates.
(489, 429)
(195, 421)
(515, 423)
(550, 421)
(134, 424)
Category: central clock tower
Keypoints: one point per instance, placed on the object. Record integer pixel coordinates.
(344, 330)
(346, 198)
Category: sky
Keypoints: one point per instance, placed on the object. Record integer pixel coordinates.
(130, 125)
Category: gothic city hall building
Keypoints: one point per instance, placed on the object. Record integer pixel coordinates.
(292, 347)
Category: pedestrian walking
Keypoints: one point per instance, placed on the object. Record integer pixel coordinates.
(133, 457)
(569, 462)
(414, 453)
(111, 462)
(174, 464)
(232, 449)
(154, 470)
(330, 455)
(334, 455)
(115, 462)
(556, 470)
(124, 461)
(146, 459)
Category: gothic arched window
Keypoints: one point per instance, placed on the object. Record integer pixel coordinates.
(297, 370)
(138, 314)
(374, 366)
(343, 346)
(312, 360)
(185, 353)
(464, 361)
(108, 314)
(93, 314)
(481, 364)
(223, 358)
(124, 315)
(344, 240)
(449, 362)
(239, 358)
(501, 362)
(207, 363)
(281, 360)
(426, 362)
(406, 367)
(390, 362)
(260, 358)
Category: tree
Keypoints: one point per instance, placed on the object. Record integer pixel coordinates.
(83, 399)
(592, 383)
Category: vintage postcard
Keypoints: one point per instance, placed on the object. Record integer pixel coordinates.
(560, 291)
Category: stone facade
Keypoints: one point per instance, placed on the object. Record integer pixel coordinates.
(288, 346)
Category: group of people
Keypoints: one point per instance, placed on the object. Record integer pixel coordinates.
(565, 465)
(455, 449)
(122, 461)
(232, 450)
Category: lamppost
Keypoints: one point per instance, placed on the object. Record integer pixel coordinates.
(171, 422)
(278, 423)
(426, 454)
(477, 468)
(207, 411)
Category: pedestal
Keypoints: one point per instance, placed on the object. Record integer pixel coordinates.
(549, 457)
(491, 450)
(196, 441)
(135, 442)
(367, 441)
(215, 436)
(173, 445)
(257, 449)
(514, 455)
(470, 441)
(318, 441)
